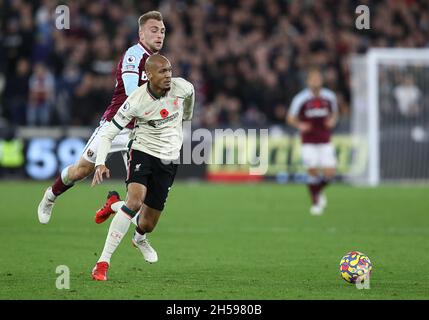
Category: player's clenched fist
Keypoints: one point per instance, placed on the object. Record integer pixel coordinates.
(100, 170)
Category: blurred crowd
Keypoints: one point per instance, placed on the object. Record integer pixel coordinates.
(246, 59)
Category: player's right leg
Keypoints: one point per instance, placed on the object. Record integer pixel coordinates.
(68, 177)
(119, 227)
(145, 224)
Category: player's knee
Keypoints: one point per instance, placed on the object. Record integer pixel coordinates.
(134, 204)
(313, 172)
(83, 172)
(329, 174)
(79, 172)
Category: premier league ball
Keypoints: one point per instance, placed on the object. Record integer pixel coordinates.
(355, 266)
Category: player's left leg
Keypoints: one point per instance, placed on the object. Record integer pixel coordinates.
(68, 177)
(78, 171)
(328, 175)
(328, 165)
(146, 222)
(313, 184)
(311, 160)
(119, 227)
(159, 184)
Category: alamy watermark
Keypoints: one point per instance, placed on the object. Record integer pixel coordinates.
(363, 20)
(62, 17)
(363, 282)
(63, 280)
(247, 148)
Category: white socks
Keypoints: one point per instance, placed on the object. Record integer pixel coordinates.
(117, 205)
(50, 195)
(118, 228)
(65, 176)
(139, 237)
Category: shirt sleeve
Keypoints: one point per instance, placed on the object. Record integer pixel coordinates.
(296, 105)
(334, 103)
(188, 104)
(105, 143)
(123, 116)
(131, 62)
(127, 112)
(130, 70)
(131, 82)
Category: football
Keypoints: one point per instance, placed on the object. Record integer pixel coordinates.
(355, 265)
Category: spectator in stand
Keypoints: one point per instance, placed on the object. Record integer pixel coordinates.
(41, 94)
(408, 97)
(227, 46)
(16, 93)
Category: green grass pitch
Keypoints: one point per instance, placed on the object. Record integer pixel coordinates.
(220, 241)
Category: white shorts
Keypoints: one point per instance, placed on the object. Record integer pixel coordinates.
(318, 155)
(119, 143)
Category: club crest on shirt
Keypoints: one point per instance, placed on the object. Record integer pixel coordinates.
(157, 123)
(131, 59)
(90, 153)
(125, 106)
(177, 103)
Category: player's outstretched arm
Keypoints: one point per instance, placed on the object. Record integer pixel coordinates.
(102, 152)
(100, 167)
(124, 115)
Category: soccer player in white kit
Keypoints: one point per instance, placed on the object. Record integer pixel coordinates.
(130, 74)
(158, 107)
(314, 113)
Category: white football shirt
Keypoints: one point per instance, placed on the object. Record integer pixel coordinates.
(158, 121)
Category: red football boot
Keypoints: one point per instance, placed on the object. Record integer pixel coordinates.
(104, 213)
(99, 272)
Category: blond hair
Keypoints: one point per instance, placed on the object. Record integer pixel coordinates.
(156, 15)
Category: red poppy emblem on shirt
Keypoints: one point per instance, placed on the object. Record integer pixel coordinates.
(164, 113)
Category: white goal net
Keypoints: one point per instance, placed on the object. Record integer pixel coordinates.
(390, 116)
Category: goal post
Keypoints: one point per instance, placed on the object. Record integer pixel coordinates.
(390, 116)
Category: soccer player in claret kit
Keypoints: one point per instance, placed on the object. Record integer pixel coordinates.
(158, 107)
(314, 113)
(130, 74)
